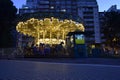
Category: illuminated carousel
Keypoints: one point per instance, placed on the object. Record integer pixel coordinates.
(48, 30)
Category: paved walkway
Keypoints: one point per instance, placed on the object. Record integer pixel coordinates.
(44, 70)
(104, 61)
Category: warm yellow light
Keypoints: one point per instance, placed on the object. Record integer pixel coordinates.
(93, 46)
(48, 28)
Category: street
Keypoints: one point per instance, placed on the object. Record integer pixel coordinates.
(31, 70)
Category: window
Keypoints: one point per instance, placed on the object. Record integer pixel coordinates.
(30, 0)
(88, 22)
(88, 17)
(87, 12)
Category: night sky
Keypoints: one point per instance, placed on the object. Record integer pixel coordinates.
(103, 4)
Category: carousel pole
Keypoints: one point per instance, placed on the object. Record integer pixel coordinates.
(63, 35)
(38, 35)
(44, 36)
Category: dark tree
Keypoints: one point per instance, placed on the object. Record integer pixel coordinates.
(7, 16)
(111, 28)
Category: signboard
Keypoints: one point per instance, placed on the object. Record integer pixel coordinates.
(79, 39)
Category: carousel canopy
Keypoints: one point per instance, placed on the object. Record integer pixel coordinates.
(51, 28)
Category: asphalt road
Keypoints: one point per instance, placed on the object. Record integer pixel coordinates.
(35, 70)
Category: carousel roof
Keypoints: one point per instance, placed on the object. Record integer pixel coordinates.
(48, 28)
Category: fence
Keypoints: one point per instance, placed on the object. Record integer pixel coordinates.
(11, 53)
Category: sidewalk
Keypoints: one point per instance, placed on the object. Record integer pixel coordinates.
(103, 61)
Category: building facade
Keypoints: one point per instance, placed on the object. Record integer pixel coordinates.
(87, 10)
(101, 21)
(113, 8)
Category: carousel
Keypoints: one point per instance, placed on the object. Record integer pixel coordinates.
(48, 30)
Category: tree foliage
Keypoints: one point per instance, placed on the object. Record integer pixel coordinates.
(111, 28)
(7, 15)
